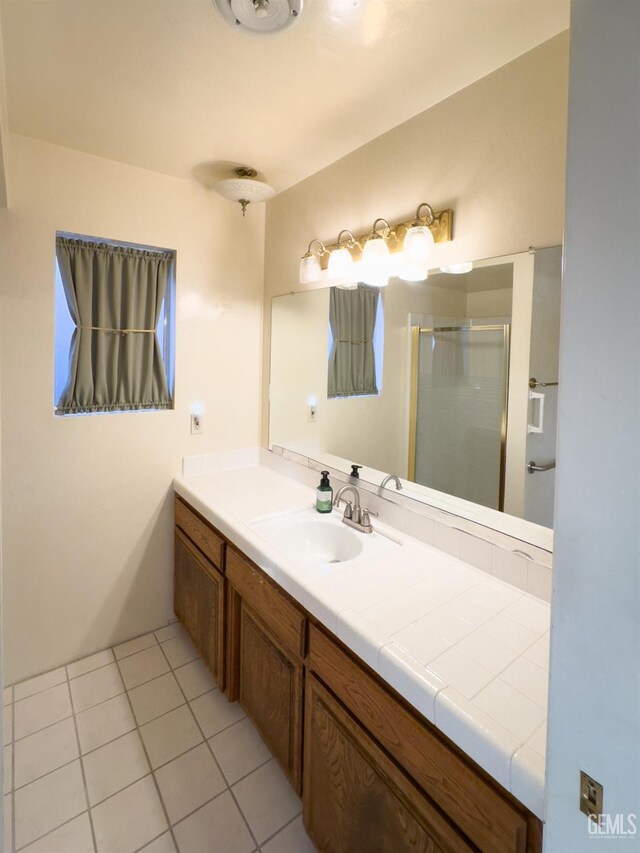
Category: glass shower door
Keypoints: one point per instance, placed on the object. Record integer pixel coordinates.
(459, 411)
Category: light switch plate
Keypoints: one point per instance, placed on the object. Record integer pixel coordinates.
(591, 794)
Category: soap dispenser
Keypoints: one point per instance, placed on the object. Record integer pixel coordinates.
(324, 494)
(354, 476)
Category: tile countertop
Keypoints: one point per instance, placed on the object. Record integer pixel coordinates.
(468, 651)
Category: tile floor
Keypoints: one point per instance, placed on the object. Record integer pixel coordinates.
(135, 749)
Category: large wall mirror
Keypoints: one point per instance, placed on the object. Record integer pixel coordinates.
(466, 371)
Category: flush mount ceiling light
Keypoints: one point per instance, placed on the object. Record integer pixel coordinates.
(458, 269)
(244, 188)
(261, 17)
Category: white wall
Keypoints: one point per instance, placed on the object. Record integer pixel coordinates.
(87, 500)
(594, 703)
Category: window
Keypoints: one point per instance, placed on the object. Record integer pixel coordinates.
(356, 336)
(114, 326)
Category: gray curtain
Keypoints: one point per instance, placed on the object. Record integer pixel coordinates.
(352, 316)
(114, 295)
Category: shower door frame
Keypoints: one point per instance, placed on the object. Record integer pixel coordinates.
(416, 331)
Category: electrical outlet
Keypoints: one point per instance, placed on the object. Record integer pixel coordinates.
(312, 412)
(196, 425)
(590, 796)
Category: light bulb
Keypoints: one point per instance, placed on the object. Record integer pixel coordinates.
(310, 269)
(340, 269)
(376, 262)
(416, 252)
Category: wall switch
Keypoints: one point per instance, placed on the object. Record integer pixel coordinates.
(590, 796)
(196, 425)
(312, 412)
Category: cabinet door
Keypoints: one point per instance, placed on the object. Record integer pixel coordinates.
(355, 797)
(270, 690)
(199, 603)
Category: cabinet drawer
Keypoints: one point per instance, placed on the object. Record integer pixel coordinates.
(283, 618)
(491, 821)
(210, 543)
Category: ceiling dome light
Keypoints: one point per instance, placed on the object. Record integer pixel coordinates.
(261, 17)
(244, 188)
(457, 269)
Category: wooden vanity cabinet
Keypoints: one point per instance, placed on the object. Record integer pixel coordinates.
(359, 735)
(355, 797)
(373, 773)
(199, 593)
(266, 647)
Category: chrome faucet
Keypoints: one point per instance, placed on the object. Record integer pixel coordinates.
(388, 478)
(354, 515)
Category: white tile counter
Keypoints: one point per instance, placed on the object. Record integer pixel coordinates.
(468, 651)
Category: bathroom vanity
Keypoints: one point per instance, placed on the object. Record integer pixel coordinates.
(374, 772)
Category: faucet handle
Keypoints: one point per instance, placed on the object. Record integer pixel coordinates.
(365, 521)
(348, 510)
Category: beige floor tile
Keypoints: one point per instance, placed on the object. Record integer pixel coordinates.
(155, 698)
(179, 650)
(48, 802)
(169, 631)
(130, 819)
(164, 844)
(214, 712)
(7, 769)
(217, 827)
(114, 766)
(239, 750)
(104, 722)
(81, 667)
(143, 666)
(7, 724)
(131, 647)
(292, 839)
(73, 837)
(95, 687)
(187, 782)
(41, 710)
(44, 751)
(7, 817)
(39, 683)
(170, 736)
(195, 678)
(267, 800)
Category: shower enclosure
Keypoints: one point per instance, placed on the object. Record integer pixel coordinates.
(458, 410)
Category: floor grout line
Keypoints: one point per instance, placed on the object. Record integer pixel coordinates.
(144, 747)
(217, 763)
(82, 770)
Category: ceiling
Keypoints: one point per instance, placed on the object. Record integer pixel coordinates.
(167, 85)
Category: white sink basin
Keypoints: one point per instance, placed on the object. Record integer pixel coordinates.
(311, 537)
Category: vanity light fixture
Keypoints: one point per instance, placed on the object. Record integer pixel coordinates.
(310, 269)
(417, 247)
(376, 267)
(244, 188)
(368, 257)
(341, 266)
(457, 269)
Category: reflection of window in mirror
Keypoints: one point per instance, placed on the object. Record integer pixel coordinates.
(356, 342)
